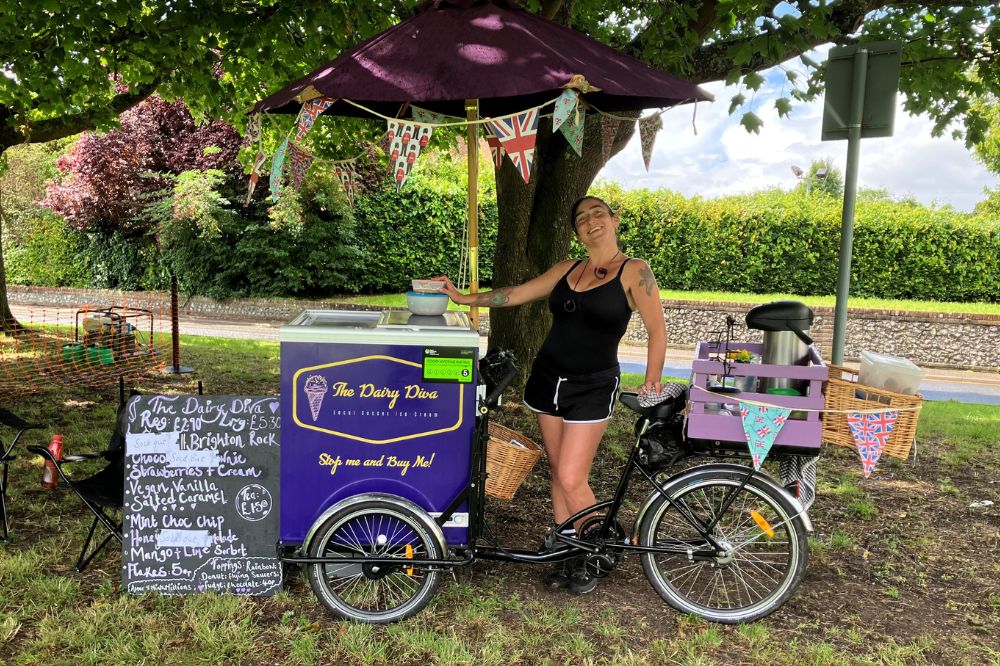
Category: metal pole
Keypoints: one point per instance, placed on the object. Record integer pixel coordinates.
(850, 198)
(472, 139)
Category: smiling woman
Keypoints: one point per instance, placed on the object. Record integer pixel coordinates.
(576, 377)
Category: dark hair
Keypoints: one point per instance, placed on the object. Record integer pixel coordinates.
(576, 204)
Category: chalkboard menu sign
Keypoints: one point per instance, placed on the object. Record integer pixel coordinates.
(201, 495)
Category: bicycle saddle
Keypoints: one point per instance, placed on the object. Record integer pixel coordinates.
(663, 410)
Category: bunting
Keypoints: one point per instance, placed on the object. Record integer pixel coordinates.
(761, 426)
(564, 106)
(572, 129)
(609, 128)
(258, 162)
(648, 127)
(496, 150)
(348, 177)
(517, 136)
(308, 114)
(871, 434)
(426, 116)
(299, 161)
(253, 129)
(276, 165)
(407, 140)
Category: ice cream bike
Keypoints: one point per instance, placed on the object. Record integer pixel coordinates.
(383, 467)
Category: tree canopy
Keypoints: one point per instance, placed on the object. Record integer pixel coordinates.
(73, 65)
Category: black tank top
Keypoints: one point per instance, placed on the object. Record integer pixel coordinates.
(586, 326)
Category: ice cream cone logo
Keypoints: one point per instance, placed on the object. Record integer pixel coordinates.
(315, 389)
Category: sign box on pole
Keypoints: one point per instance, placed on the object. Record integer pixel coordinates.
(881, 84)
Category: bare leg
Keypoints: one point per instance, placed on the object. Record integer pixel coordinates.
(551, 428)
(572, 465)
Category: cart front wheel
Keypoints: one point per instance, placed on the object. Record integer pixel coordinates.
(370, 592)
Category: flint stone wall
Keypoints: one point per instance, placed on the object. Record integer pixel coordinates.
(954, 340)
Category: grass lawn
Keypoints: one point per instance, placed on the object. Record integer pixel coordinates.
(399, 300)
(901, 570)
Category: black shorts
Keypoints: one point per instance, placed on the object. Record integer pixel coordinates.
(574, 398)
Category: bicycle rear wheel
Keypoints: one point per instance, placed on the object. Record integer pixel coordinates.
(764, 548)
(367, 592)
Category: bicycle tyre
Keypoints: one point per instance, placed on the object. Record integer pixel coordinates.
(759, 572)
(368, 593)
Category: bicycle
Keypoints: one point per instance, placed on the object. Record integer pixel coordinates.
(718, 540)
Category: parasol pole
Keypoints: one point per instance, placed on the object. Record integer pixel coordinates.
(472, 141)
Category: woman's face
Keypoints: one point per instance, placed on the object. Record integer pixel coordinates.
(593, 220)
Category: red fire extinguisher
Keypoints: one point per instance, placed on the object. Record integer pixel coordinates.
(50, 476)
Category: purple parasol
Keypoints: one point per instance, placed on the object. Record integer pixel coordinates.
(491, 50)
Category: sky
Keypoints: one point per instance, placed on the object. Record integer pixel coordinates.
(724, 159)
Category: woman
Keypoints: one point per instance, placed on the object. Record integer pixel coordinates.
(574, 379)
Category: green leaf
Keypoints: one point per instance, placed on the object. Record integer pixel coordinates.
(736, 102)
(752, 122)
(732, 76)
(753, 81)
(783, 105)
(930, 18)
(809, 61)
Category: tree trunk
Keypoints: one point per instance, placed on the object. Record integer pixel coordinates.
(534, 230)
(8, 324)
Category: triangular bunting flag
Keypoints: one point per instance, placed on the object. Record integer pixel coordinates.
(517, 136)
(407, 141)
(609, 127)
(348, 177)
(258, 162)
(648, 127)
(496, 150)
(299, 161)
(308, 114)
(572, 129)
(253, 129)
(276, 165)
(425, 116)
(871, 435)
(761, 426)
(564, 105)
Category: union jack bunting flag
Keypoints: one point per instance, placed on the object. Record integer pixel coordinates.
(308, 114)
(517, 136)
(761, 426)
(299, 161)
(496, 150)
(871, 435)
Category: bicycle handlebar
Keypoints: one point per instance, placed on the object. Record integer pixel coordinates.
(499, 362)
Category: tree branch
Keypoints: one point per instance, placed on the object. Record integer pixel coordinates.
(62, 126)
(712, 61)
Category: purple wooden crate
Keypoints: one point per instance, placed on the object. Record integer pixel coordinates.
(798, 433)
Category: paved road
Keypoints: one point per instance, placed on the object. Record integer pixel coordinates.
(938, 384)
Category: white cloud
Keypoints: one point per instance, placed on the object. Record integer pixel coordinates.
(724, 159)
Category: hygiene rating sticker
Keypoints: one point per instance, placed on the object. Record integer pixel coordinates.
(452, 365)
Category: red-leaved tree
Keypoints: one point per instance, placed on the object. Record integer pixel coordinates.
(107, 179)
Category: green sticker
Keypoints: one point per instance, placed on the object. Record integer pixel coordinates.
(449, 364)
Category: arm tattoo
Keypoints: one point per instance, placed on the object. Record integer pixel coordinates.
(646, 280)
(496, 298)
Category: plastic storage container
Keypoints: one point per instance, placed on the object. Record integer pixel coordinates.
(889, 372)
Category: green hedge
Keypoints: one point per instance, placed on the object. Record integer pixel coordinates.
(773, 241)
(418, 233)
(789, 242)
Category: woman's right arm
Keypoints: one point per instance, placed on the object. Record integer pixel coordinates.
(532, 290)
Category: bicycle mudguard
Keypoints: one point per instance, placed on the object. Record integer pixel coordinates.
(761, 476)
(418, 511)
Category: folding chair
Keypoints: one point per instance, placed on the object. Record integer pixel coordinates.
(20, 426)
(103, 492)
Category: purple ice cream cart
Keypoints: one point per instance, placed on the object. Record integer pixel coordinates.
(376, 403)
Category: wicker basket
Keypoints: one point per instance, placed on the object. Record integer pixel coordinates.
(843, 392)
(507, 464)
